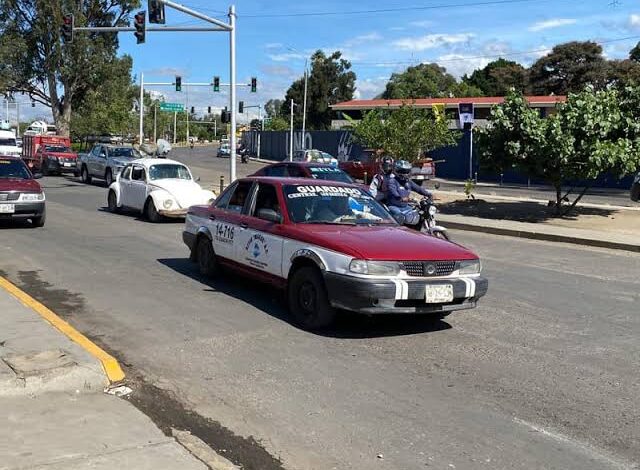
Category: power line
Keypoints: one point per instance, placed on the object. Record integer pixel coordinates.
(390, 10)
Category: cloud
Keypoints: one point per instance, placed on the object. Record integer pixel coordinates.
(421, 23)
(634, 21)
(460, 64)
(273, 45)
(368, 88)
(552, 23)
(286, 56)
(278, 71)
(363, 39)
(432, 41)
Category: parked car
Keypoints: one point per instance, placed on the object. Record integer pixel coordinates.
(635, 188)
(49, 154)
(224, 151)
(330, 246)
(8, 144)
(318, 171)
(156, 188)
(21, 196)
(316, 156)
(105, 161)
(423, 170)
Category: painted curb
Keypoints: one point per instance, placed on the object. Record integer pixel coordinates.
(542, 236)
(111, 367)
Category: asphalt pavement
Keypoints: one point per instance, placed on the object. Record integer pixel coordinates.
(542, 375)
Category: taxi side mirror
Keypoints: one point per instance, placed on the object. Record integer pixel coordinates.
(269, 215)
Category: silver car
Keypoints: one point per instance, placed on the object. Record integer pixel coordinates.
(105, 162)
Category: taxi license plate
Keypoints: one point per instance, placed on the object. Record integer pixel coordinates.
(439, 294)
(7, 208)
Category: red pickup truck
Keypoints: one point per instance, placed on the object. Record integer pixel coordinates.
(49, 154)
(367, 163)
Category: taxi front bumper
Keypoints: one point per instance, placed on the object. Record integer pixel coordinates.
(406, 296)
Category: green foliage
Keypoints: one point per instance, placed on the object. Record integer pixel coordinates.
(272, 107)
(330, 81)
(568, 68)
(469, 187)
(277, 124)
(426, 80)
(634, 54)
(498, 78)
(405, 133)
(34, 60)
(592, 133)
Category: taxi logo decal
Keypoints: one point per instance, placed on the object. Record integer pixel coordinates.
(257, 248)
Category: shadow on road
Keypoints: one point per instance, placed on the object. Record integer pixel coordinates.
(7, 224)
(516, 211)
(270, 301)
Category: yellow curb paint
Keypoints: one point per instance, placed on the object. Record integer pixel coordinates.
(109, 363)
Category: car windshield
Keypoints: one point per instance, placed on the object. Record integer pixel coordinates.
(169, 171)
(124, 152)
(327, 204)
(8, 142)
(329, 173)
(57, 148)
(10, 168)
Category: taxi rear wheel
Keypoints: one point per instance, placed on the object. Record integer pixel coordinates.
(206, 258)
(308, 300)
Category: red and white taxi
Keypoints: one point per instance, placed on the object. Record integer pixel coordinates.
(331, 246)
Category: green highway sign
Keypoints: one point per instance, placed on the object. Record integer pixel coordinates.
(173, 107)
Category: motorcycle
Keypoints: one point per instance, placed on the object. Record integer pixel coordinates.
(427, 210)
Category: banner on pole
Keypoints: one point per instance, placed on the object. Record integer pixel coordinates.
(465, 111)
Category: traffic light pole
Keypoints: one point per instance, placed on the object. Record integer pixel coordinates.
(141, 104)
(232, 103)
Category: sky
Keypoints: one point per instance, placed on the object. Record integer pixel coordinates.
(379, 37)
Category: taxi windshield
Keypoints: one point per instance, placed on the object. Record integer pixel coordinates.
(169, 171)
(326, 204)
(329, 173)
(13, 169)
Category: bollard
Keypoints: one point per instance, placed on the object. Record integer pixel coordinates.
(221, 183)
(365, 177)
(476, 179)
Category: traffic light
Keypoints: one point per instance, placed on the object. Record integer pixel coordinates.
(241, 107)
(156, 12)
(193, 110)
(225, 116)
(178, 83)
(139, 21)
(208, 109)
(67, 28)
(216, 83)
(254, 84)
(33, 104)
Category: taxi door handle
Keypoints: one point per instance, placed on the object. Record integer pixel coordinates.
(243, 225)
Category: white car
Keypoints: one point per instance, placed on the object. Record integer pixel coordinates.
(157, 188)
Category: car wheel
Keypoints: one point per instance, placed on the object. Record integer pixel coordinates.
(84, 175)
(206, 258)
(108, 177)
(151, 212)
(39, 221)
(112, 202)
(308, 300)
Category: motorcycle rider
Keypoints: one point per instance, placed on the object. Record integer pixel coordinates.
(379, 184)
(399, 190)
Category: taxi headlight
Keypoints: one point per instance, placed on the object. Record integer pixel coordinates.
(32, 197)
(374, 268)
(433, 210)
(167, 203)
(472, 266)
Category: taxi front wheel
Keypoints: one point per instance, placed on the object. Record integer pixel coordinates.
(308, 300)
(206, 258)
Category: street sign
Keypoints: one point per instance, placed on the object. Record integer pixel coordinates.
(465, 111)
(172, 107)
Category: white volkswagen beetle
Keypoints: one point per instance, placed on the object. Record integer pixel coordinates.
(157, 188)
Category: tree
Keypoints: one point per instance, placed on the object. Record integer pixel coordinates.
(623, 73)
(426, 81)
(634, 54)
(592, 133)
(107, 109)
(498, 77)
(568, 68)
(405, 133)
(277, 123)
(330, 81)
(272, 107)
(36, 61)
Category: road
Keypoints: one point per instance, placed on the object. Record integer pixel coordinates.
(543, 375)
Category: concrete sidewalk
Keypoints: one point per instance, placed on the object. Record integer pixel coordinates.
(616, 241)
(54, 411)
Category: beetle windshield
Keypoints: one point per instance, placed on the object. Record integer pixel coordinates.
(326, 204)
(169, 171)
(10, 168)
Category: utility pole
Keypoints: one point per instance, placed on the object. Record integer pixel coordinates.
(232, 104)
(187, 110)
(304, 106)
(155, 123)
(141, 130)
(175, 130)
(291, 135)
(17, 119)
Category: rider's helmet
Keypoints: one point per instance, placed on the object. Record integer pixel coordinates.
(387, 165)
(402, 169)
